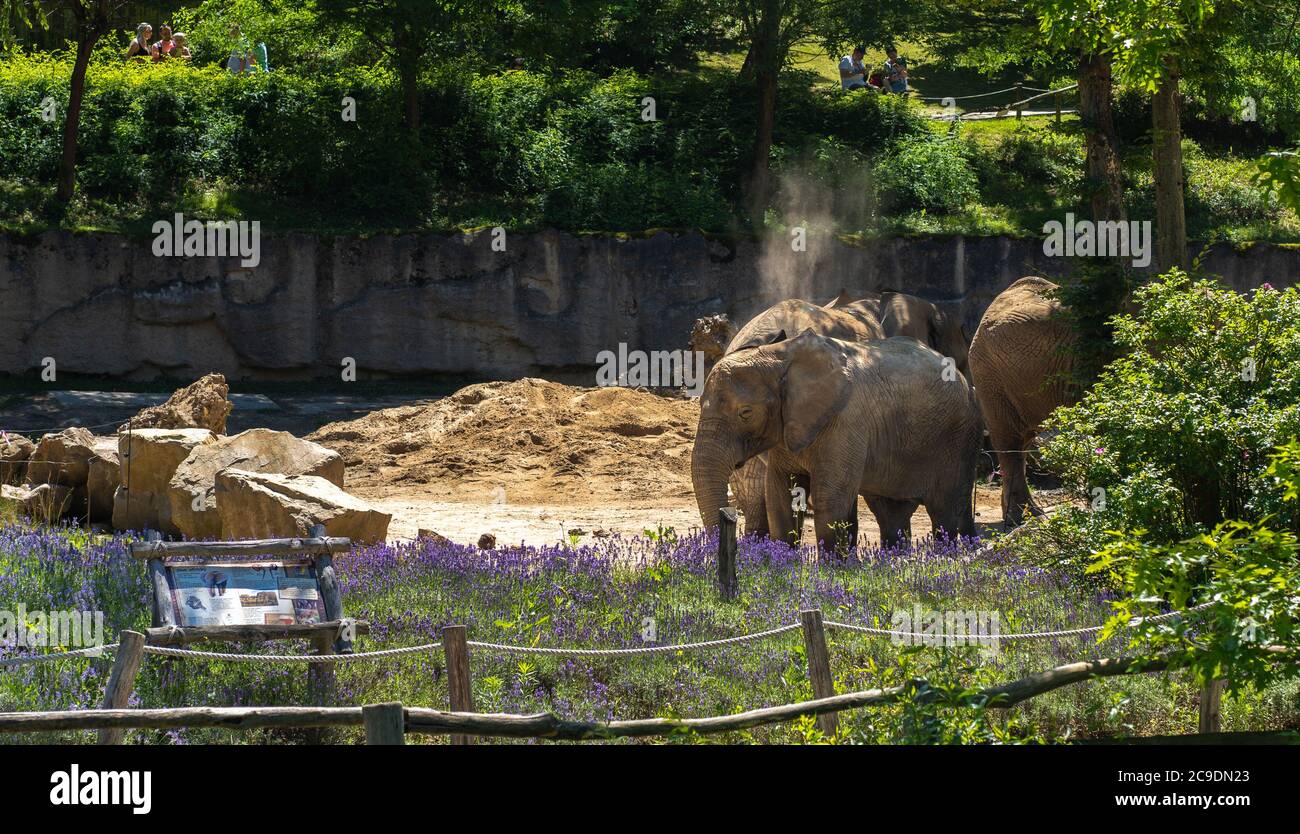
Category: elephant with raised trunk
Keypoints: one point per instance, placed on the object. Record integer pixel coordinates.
(1022, 364)
(879, 419)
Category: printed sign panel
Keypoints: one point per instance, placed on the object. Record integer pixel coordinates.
(246, 593)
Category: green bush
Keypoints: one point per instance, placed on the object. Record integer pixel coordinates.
(1247, 573)
(926, 175)
(1174, 437)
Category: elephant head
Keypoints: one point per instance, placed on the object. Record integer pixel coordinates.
(784, 393)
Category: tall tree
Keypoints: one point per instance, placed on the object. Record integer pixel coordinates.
(91, 20)
(770, 29)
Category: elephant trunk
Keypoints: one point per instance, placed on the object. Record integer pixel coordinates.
(712, 460)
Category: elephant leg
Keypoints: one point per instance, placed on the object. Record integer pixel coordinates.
(749, 485)
(949, 518)
(1010, 440)
(836, 521)
(1016, 500)
(782, 521)
(893, 516)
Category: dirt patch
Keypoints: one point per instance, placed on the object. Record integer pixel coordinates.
(524, 442)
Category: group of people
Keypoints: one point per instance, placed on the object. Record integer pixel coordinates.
(891, 78)
(170, 45)
(244, 55)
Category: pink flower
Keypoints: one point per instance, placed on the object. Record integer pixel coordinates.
(1266, 286)
(1100, 450)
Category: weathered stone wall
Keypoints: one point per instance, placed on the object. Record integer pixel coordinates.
(418, 304)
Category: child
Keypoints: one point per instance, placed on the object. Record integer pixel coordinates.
(182, 50)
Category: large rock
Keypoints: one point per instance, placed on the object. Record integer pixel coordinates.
(15, 450)
(149, 458)
(104, 479)
(62, 458)
(43, 502)
(260, 506)
(202, 405)
(192, 491)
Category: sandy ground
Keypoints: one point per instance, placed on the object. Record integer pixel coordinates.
(545, 523)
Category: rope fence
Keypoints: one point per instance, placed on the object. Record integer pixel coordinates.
(639, 651)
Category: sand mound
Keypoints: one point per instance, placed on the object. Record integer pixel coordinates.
(524, 441)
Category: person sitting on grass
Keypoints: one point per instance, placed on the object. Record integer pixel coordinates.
(895, 72)
(140, 47)
(162, 50)
(852, 71)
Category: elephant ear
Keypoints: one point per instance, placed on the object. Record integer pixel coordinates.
(814, 388)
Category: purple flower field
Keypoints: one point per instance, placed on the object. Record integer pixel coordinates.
(618, 594)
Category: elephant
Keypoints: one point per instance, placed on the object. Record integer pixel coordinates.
(786, 318)
(878, 418)
(1022, 364)
(900, 314)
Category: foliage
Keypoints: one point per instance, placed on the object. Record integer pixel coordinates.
(1176, 431)
(926, 176)
(1247, 572)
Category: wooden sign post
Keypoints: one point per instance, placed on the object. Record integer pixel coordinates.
(307, 582)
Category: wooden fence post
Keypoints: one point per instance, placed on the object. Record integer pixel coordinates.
(819, 665)
(1211, 703)
(727, 552)
(331, 598)
(1058, 109)
(1020, 88)
(458, 674)
(121, 681)
(385, 723)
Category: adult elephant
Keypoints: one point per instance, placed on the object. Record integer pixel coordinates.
(900, 314)
(879, 419)
(782, 320)
(1022, 365)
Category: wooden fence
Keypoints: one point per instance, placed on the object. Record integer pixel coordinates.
(389, 723)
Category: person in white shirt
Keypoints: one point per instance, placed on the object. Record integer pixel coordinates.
(852, 72)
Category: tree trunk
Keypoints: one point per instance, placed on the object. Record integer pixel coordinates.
(765, 51)
(407, 53)
(72, 119)
(1167, 156)
(1105, 178)
(410, 96)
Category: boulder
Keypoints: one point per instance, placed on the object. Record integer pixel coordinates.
(202, 405)
(260, 506)
(149, 458)
(192, 491)
(62, 458)
(104, 479)
(43, 502)
(15, 450)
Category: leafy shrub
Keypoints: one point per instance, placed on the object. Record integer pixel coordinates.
(1178, 429)
(1042, 157)
(926, 175)
(1247, 572)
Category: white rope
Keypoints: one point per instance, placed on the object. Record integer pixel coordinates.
(644, 650)
(290, 658)
(41, 658)
(1031, 635)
